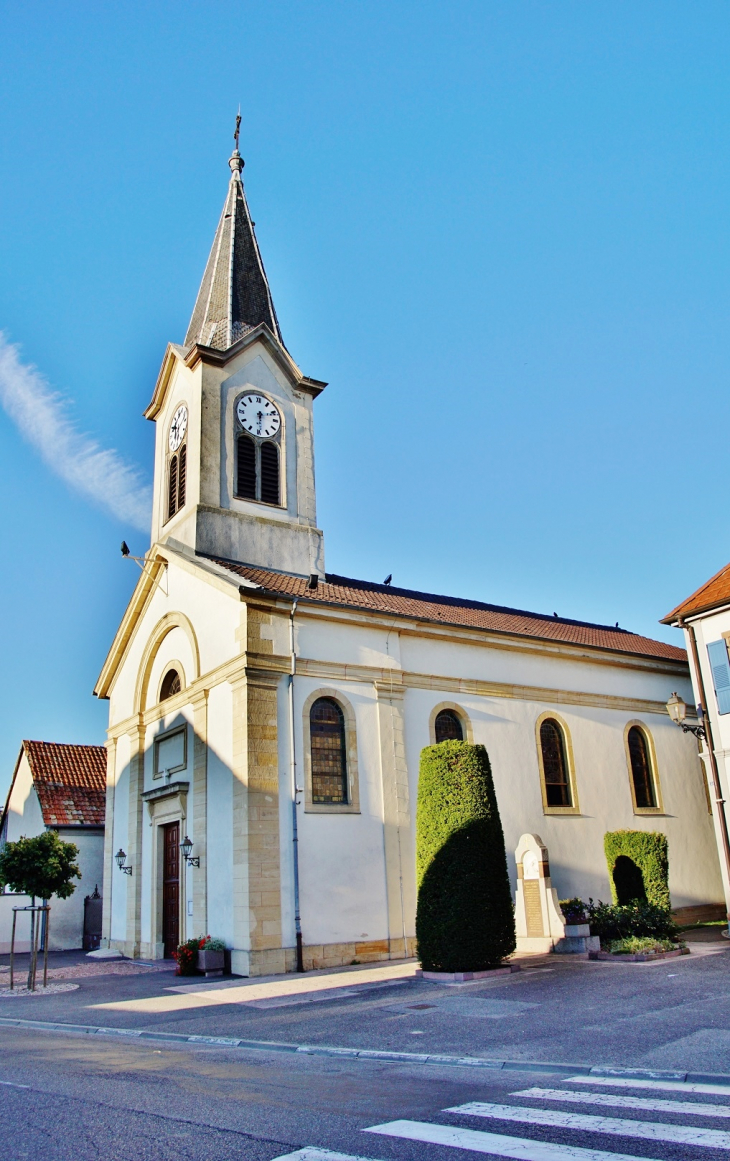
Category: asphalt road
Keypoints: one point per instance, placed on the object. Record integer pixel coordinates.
(71, 1096)
(90, 1097)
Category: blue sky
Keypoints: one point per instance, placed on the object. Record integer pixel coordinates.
(499, 230)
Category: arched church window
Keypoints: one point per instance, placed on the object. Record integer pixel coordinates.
(258, 449)
(328, 752)
(448, 727)
(642, 775)
(177, 467)
(554, 764)
(171, 684)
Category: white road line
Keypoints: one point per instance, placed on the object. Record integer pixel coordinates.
(657, 1085)
(12, 1084)
(615, 1126)
(498, 1145)
(625, 1102)
(311, 1154)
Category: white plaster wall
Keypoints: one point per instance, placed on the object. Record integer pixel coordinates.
(116, 884)
(220, 813)
(342, 862)
(24, 816)
(67, 915)
(286, 832)
(575, 843)
(215, 615)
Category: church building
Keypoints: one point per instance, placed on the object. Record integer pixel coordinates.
(266, 717)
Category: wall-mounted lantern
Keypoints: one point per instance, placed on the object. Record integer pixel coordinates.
(121, 859)
(186, 847)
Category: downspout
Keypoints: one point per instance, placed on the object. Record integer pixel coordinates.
(710, 744)
(294, 791)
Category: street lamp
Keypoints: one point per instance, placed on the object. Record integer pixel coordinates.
(186, 847)
(121, 859)
(677, 710)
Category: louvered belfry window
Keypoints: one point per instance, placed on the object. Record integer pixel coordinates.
(246, 468)
(182, 475)
(269, 473)
(328, 752)
(258, 467)
(554, 764)
(448, 727)
(641, 772)
(172, 489)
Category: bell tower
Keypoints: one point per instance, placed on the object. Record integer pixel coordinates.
(234, 447)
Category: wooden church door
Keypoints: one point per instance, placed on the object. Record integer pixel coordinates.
(171, 888)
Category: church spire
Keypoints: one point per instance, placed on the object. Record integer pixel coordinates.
(234, 296)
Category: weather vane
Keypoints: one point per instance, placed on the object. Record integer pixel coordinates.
(238, 128)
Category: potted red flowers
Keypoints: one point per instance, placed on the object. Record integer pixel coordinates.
(201, 954)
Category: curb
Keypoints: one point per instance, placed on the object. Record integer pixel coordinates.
(374, 1054)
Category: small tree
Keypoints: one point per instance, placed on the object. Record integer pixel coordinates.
(41, 866)
(465, 920)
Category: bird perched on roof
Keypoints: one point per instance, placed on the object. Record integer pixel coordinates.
(388, 579)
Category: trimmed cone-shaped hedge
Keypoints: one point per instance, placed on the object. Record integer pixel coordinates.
(638, 858)
(465, 920)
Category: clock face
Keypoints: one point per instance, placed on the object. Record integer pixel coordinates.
(178, 427)
(258, 415)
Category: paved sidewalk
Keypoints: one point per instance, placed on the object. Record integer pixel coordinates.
(674, 1014)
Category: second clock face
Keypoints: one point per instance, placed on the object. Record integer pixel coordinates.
(178, 427)
(258, 415)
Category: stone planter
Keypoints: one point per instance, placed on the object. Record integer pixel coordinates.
(211, 962)
(577, 940)
(637, 957)
(464, 977)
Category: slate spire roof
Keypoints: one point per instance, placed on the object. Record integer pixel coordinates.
(234, 296)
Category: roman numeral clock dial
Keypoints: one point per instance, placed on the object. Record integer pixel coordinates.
(257, 415)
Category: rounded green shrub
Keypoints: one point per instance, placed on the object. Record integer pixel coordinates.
(638, 866)
(465, 920)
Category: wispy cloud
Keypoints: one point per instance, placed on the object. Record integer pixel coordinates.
(42, 416)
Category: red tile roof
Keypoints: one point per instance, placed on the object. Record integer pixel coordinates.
(714, 592)
(70, 782)
(337, 590)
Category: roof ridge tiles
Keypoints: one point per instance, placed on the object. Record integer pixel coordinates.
(379, 598)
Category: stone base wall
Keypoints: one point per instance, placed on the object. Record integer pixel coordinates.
(702, 913)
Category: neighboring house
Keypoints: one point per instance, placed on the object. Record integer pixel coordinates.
(242, 670)
(63, 788)
(704, 618)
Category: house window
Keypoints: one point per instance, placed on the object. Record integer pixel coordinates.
(328, 752)
(448, 727)
(258, 450)
(171, 684)
(555, 765)
(642, 775)
(717, 651)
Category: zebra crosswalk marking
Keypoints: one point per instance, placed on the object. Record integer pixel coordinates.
(615, 1126)
(496, 1144)
(657, 1085)
(311, 1154)
(610, 1100)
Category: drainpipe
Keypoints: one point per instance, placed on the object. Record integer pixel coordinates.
(710, 744)
(294, 790)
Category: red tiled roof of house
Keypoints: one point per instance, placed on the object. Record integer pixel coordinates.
(714, 592)
(337, 590)
(70, 782)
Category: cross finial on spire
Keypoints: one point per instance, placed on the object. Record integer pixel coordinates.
(235, 160)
